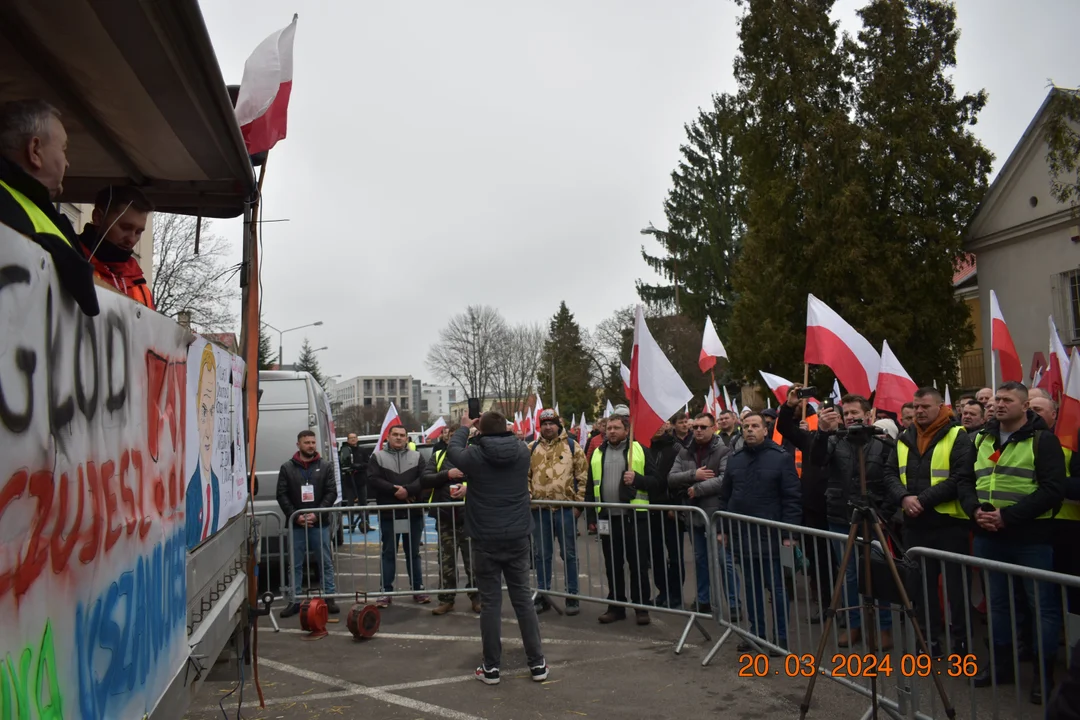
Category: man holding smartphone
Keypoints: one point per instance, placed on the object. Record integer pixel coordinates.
(499, 522)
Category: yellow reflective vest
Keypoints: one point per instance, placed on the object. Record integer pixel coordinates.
(41, 222)
(1008, 479)
(637, 464)
(939, 469)
(1070, 509)
(440, 455)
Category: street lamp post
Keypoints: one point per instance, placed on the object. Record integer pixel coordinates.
(280, 353)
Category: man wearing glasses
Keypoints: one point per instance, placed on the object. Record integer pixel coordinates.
(699, 470)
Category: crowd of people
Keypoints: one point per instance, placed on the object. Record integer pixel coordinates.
(986, 478)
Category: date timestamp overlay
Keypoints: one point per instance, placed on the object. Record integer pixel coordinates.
(853, 665)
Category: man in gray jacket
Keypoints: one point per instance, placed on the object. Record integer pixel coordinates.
(499, 522)
(699, 470)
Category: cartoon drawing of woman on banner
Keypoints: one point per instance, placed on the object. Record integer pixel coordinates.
(203, 491)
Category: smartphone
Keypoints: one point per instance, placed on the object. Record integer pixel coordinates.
(474, 408)
(826, 404)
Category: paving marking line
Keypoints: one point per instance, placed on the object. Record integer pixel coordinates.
(385, 692)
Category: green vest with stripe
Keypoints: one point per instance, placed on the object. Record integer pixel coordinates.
(440, 455)
(637, 464)
(1010, 479)
(939, 469)
(1070, 509)
(41, 222)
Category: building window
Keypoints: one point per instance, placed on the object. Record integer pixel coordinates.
(367, 402)
(367, 388)
(452, 395)
(423, 406)
(380, 388)
(404, 403)
(391, 387)
(1072, 301)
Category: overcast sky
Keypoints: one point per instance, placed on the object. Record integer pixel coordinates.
(484, 152)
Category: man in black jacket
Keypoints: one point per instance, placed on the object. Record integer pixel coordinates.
(666, 529)
(839, 460)
(933, 458)
(33, 162)
(622, 472)
(499, 522)
(1019, 479)
(760, 481)
(394, 474)
(306, 482)
(354, 463)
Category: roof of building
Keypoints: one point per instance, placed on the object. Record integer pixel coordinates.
(1012, 164)
(965, 270)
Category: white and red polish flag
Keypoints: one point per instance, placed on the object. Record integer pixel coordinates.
(727, 401)
(711, 348)
(832, 342)
(391, 420)
(656, 390)
(1001, 342)
(583, 432)
(625, 372)
(1059, 364)
(1068, 419)
(894, 386)
(777, 384)
(948, 399)
(536, 413)
(435, 430)
(262, 105)
(610, 410)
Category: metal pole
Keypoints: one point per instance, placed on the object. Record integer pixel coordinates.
(280, 352)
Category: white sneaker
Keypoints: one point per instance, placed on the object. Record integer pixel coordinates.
(491, 676)
(539, 673)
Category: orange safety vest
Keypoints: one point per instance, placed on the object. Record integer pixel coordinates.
(779, 440)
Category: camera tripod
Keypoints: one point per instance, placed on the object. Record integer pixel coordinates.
(866, 518)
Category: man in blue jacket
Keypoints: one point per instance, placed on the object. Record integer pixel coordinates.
(760, 482)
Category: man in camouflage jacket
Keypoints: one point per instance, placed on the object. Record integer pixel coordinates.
(558, 471)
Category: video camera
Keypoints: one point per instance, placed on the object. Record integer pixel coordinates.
(858, 433)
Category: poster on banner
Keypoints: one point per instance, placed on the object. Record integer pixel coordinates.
(93, 583)
(211, 496)
(334, 461)
(239, 445)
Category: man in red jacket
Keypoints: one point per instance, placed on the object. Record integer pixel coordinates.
(121, 214)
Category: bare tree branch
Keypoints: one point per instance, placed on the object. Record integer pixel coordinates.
(517, 359)
(467, 349)
(200, 284)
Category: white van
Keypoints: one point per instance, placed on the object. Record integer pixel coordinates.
(288, 403)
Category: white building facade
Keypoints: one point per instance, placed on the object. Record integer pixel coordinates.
(435, 400)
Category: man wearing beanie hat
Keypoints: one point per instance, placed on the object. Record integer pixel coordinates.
(557, 471)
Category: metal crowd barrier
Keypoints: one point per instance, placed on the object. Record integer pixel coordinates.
(783, 636)
(409, 564)
(271, 556)
(646, 544)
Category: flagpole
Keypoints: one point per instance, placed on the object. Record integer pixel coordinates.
(993, 366)
(805, 383)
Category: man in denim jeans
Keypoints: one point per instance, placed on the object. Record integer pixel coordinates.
(557, 471)
(394, 474)
(307, 482)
